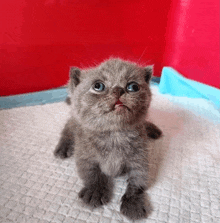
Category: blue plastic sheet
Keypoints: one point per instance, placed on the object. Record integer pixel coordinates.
(173, 83)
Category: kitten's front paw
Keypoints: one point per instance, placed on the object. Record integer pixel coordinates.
(153, 131)
(68, 100)
(63, 150)
(155, 134)
(134, 207)
(95, 196)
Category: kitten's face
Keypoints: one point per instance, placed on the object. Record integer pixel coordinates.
(113, 96)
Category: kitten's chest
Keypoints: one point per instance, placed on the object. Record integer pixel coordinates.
(117, 142)
(114, 150)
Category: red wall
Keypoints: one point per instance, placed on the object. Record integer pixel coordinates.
(193, 40)
(41, 39)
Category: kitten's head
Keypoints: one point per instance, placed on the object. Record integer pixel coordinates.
(112, 96)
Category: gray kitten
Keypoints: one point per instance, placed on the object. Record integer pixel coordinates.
(108, 132)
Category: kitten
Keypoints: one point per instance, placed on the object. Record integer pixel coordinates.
(108, 133)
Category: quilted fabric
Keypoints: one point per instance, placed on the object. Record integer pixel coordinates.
(184, 166)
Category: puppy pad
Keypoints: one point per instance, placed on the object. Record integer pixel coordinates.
(184, 166)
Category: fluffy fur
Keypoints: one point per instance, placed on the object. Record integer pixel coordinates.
(109, 140)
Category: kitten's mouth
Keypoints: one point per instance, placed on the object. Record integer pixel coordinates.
(118, 103)
(119, 106)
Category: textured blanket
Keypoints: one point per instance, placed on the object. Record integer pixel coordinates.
(184, 166)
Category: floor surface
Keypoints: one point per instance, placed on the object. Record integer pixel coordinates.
(184, 166)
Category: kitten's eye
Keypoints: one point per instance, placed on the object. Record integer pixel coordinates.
(99, 86)
(133, 87)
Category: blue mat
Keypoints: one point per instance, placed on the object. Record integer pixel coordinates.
(173, 83)
(36, 98)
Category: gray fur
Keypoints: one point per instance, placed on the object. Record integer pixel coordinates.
(109, 142)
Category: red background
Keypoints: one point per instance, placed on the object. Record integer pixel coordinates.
(41, 39)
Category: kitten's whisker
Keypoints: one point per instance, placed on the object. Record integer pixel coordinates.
(142, 54)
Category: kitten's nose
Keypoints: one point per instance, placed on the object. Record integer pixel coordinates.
(119, 91)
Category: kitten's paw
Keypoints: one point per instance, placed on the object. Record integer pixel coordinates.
(134, 207)
(95, 196)
(63, 150)
(68, 100)
(155, 133)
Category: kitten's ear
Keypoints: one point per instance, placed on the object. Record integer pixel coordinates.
(148, 73)
(74, 76)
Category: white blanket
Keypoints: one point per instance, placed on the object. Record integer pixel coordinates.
(184, 166)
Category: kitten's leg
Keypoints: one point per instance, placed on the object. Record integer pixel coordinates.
(134, 203)
(65, 147)
(68, 100)
(98, 186)
(153, 131)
